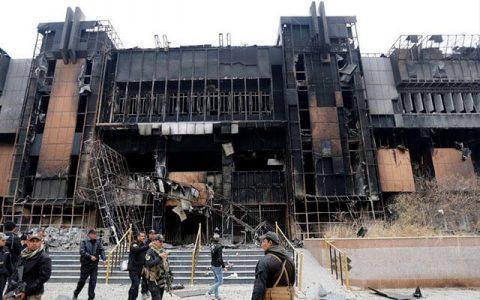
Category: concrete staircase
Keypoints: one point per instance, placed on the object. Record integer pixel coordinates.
(66, 267)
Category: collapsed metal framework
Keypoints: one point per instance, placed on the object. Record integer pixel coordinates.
(108, 172)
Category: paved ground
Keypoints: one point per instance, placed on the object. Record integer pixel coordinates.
(55, 291)
(428, 293)
(63, 291)
(317, 284)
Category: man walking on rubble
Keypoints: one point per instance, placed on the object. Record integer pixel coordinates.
(91, 250)
(33, 271)
(157, 269)
(217, 265)
(136, 261)
(275, 272)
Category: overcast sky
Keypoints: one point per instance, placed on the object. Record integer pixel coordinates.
(252, 22)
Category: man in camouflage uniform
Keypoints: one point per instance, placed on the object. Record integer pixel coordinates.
(157, 271)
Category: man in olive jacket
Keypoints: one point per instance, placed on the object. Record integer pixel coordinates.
(269, 267)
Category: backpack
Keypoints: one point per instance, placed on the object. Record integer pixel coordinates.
(280, 292)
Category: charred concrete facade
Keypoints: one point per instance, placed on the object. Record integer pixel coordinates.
(236, 138)
(424, 103)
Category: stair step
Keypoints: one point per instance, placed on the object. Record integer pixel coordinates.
(126, 279)
(172, 262)
(66, 266)
(202, 267)
(175, 272)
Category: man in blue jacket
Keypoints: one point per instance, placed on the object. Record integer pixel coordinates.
(91, 250)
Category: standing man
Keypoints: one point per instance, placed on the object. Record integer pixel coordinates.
(156, 263)
(41, 232)
(217, 265)
(13, 242)
(136, 261)
(275, 269)
(151, 235)
(34, 269)
(91, 250)
(6, 267)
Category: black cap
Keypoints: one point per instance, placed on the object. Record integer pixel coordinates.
(271, 236)
(91, 231)
(158, 237)
(9, 225)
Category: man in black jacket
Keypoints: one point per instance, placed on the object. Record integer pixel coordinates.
(13, 243)
(269, 267)
(91, 250)
(217, 265)
(6, 267)
(136, 261)
(34, 269)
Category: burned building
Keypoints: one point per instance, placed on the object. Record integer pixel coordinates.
(424, 99)
(235, 138)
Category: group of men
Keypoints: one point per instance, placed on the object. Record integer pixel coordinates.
(148, 266)
(24, 264)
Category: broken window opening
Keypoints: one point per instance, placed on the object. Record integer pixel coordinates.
(225, 103)
(303, 100)
(72, 172)
(81, 111)
(88, 71)
(300, 67)
(42, 113)
(132, 105)
(212, 104)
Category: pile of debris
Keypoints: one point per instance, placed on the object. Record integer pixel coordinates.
(68, 238)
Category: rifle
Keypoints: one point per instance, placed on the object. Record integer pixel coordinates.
(168, 276)
(17, 286)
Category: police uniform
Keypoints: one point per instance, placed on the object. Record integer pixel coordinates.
(136, 260)
(6, 266)
(156, 272)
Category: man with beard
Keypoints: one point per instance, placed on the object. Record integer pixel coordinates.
(34, 269)
(157, 270)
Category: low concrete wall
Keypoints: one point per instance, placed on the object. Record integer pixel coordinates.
(408, 262)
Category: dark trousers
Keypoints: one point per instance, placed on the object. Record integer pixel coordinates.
(144, 284)
(3, 281)
(155, 290)
(85, 272)
(137, 279)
